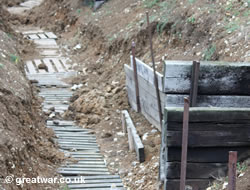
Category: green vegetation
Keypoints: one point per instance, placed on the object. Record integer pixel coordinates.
(241, 168)
(1, 65)
(14, 58)
(209, 52)
(191, 20)
(232, 26)
(151, 3)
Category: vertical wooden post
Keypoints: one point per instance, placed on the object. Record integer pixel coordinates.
(194, 83)
(136, 79)
(130, 140)
(184, 144)
(232, 169)
(155, 77)
(124, 125)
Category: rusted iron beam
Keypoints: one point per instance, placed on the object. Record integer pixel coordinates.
(136, 79)
(194, 83)
(232, 170)
(155, 77)
(184, 144)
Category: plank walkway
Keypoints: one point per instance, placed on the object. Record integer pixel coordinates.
(77, 143)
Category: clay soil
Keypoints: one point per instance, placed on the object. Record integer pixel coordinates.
(99, 44)
(26, 146)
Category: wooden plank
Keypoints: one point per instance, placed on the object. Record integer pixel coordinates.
(197, 170)
(51, 35)
(176, 100)
(82, 173)
(207, 155)
(58, 65)
(216, 78)
(42, 36)
(147, 73)
(33, 36)
(139, 148)
(210, 138)
(31, 68)
(212, 114)
(84, 169)
(90, 186)
(213, 126)
(37, 63)
(196, 184)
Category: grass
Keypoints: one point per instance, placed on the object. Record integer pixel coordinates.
(14, 58)
(232, 26)
(209, 52)
(151, 3)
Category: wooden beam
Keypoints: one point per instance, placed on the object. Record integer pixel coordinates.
(138, 146)
(216, 78)
(210, 114)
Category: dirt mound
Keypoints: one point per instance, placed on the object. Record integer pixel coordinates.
(26, 145)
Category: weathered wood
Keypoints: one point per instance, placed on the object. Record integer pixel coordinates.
(176, 100)
(42, 36)
(207, 155)
(210, 138)
(205, 114)
(58, 65)
(197, 170)
(139, 148)
(216, 78)
(194, 83)
(51, 35)
(184, 146)
(147, 73)
(130, 140)
(213, 126)
(33, 37)
(124, 126)
(49, 65)
(146, 90)
(31, 67)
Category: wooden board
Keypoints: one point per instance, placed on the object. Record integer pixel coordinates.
(50, 35)
(139, 148)
(147, 73)
(58, 65)
(216, 78)
(197, 170)
(177, 100)
(210, 138)
(31, 67)
(213, 114)
(207, 155)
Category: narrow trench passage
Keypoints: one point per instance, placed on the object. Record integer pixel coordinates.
(77, 143)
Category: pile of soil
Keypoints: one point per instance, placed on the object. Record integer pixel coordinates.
(26, 145)
(99, 44)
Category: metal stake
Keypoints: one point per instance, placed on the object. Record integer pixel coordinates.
(155, 77)
(136, 79)
(184, 144)
(194, 83)
(232, 169)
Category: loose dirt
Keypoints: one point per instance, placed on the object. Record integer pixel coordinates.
(26, 145)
